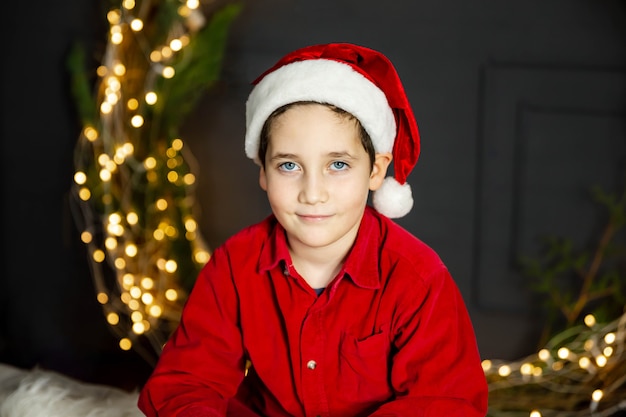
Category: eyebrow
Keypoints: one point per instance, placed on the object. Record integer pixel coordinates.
(343, 155)
(283, 156)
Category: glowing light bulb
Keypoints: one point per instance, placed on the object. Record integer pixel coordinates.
(120, 263)
(584, 362)
(172, 176)
(168, 72)
(112, 98)
(155, 56)
(176, 45)
(84, 194)
(115, 218)
(151, 98)
(171, 231)
(136, 316)
(117, 38)
(147, 283)
(126, 344)
(601, 360)
(128, 148)
(128, 280)
(110, 243)
(184, 11)
(106, 107)
(166, 52)
(135, 292)
(80, 177)
(98, 255)
(128, 4)
(147, 298)
(526, 369)
(177, 144)
(115, 229)
(102, 298)
(136, 25)
(132, 104)
(203, 257)
(590, 320)
(544, 355)
(535, 413)
(161, 204)
(119, 69)
(191, 225)
(136, 121)
(193, 4)
(563, 353)
(113, 318)
(114, 17)
(189, 179)
(131, 250)
(90, 133)
(504, 370)
(155, 311)
(86, 237)
(597, 395)
(171, 295)
(610, 338)
(139, 328)
(150, 163)
(132, 218)
(171, 266)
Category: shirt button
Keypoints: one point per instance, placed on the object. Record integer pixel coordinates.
(311, 364)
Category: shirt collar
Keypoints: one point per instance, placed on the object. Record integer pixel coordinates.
(361, 265)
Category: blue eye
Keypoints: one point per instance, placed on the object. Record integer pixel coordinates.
(339, 165)
(288, 166)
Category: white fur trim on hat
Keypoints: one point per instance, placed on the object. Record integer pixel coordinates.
(322, 81)
(393, 199)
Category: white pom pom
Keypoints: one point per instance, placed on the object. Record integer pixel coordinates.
(393, 199)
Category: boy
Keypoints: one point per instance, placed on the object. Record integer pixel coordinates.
(333, 309)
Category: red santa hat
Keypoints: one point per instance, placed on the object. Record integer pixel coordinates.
(358, 80)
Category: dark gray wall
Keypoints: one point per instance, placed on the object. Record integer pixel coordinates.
(520, 106)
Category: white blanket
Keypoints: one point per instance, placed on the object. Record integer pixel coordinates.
(41, 393)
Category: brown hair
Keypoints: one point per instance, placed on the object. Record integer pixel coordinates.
(366, 141)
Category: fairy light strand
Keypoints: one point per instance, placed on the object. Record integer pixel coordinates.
(134, 185)
(580, 372)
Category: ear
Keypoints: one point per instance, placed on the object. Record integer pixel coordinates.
(262, 179)
(379, 170)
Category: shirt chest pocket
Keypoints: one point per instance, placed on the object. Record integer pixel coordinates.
(364, 367)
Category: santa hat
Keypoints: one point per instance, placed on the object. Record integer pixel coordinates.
(358, 80)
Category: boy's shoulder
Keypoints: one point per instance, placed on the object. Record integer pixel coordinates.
(398, 245)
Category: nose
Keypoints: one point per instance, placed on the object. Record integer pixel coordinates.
(314, 189)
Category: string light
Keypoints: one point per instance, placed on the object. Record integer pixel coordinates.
(584, 365)
(135, 189)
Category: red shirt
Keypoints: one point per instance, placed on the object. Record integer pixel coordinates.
(389, 336)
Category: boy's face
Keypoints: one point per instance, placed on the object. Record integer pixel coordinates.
(317, 176)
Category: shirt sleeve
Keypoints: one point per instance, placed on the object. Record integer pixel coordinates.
(202, 364)
(436, 368)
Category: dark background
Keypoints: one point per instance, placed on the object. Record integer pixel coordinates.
(520, 105)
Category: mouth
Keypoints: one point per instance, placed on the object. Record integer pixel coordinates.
(314, 218)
